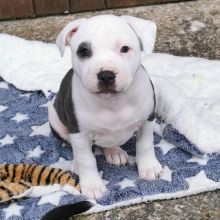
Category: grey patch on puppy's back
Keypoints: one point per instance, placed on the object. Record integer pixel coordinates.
(64, 105)
(153, 114)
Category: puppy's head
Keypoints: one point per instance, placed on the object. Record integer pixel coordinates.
(106, 50)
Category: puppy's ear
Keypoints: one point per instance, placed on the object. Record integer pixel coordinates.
(145, 30)
(66, 34)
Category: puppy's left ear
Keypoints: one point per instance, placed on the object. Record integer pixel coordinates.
(145, 30)
(67, 33)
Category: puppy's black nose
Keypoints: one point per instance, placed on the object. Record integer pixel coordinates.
(106, 77)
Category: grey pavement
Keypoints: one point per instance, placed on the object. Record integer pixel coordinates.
(189, 28)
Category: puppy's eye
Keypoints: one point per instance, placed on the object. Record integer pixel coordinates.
(125, 49)
(84, 50)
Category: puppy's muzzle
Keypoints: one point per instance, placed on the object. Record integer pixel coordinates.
(106, 78)
(106, 81)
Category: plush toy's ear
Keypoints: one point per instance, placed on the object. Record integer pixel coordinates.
(66, 34)
(145, 30)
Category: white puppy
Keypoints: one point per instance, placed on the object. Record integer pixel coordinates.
(107, 96)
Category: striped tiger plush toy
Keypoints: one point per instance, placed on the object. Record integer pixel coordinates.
(18, 180)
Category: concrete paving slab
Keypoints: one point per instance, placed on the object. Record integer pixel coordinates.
(205, 206)
(187, 28)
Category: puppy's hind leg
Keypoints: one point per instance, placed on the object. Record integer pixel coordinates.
(56, 124)
(115, 155)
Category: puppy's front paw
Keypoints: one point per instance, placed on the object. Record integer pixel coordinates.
(149, 169)
(115, 155)
(92, 187)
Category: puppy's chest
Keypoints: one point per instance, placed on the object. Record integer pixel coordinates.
(110, 128)
(111, 120)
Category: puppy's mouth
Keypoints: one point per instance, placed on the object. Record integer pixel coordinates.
(103, 89)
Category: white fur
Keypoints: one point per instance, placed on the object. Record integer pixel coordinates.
(116, 155)
(148, 166)
(106, 51)
(109, 119)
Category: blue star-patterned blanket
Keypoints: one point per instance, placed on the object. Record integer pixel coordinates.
(25, 137)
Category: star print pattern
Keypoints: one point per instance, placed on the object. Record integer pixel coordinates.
(165, 146)
(52, 198)
(36, 152)
(20, 117)
(43, 130)
(166, 174)
(126, 183)
(62, 163)
(12, 210)
(200, 179)
(25, 137)
(201, 161)
(46, 104)
(3, 108)
(7, 140)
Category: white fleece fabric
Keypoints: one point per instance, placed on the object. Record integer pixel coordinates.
(187, 88)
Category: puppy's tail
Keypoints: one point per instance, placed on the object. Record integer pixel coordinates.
(64, 212)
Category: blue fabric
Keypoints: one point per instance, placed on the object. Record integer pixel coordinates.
(176, 159)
